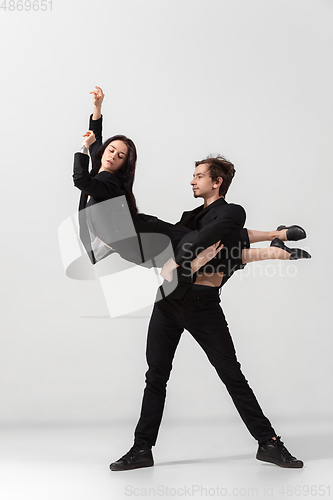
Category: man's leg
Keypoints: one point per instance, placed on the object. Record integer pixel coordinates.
(164, 332)
(204, 319)
(206, 322)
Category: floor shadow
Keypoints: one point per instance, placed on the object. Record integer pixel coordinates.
(306, 447)
(118, 317)
(205, 460)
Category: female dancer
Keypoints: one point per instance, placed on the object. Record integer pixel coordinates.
(111, 178)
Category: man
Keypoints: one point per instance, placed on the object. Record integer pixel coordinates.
(195, 307)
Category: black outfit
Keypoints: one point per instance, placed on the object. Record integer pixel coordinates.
(107, 216)
(200, 314)
(195, 308)
(102, 187)
(218, 221)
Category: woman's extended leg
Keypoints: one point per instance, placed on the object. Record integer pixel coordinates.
(258, 236)
(257, 254)
(284, 233)
(277, 250)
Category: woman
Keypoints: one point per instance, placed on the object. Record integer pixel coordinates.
(108, 207)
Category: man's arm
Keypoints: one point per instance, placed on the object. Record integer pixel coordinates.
(232, 217)
(199, 262)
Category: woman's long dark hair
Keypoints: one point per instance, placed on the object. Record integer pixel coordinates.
(125, 173)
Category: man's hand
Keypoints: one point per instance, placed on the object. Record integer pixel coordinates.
(166, 271)
(203, 257)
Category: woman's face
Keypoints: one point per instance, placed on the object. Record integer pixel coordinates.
(114, 156)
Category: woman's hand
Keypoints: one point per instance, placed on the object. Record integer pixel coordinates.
(89, 139)
(98, 97)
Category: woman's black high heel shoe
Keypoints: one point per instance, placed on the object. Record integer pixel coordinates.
(295, 253)
(294, 233)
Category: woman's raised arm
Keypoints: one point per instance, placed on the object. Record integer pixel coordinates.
(96, 120)
(98, 98)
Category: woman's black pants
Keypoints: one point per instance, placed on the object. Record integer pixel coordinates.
(200, 314)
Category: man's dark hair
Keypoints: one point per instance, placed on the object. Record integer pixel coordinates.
(219, 167)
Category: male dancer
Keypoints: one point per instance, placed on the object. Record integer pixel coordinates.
(195, 307)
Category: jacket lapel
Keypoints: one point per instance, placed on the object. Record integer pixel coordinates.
(195, 215)
(187, 216)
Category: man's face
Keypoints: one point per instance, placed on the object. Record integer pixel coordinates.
(202, 184)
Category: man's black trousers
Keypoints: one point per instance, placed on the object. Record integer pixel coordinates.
(200, 314)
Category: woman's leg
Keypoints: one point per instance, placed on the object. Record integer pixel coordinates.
(284, 233)
(177, 232)
(258, 236)
(277, 249)
(237, 242)
(257, 254)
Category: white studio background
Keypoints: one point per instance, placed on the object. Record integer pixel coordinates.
(250, 79)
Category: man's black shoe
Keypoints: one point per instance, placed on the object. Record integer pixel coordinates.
(139, 455)
(275, 452)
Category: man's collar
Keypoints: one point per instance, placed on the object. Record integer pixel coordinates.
(219, 201)
(199, 212)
